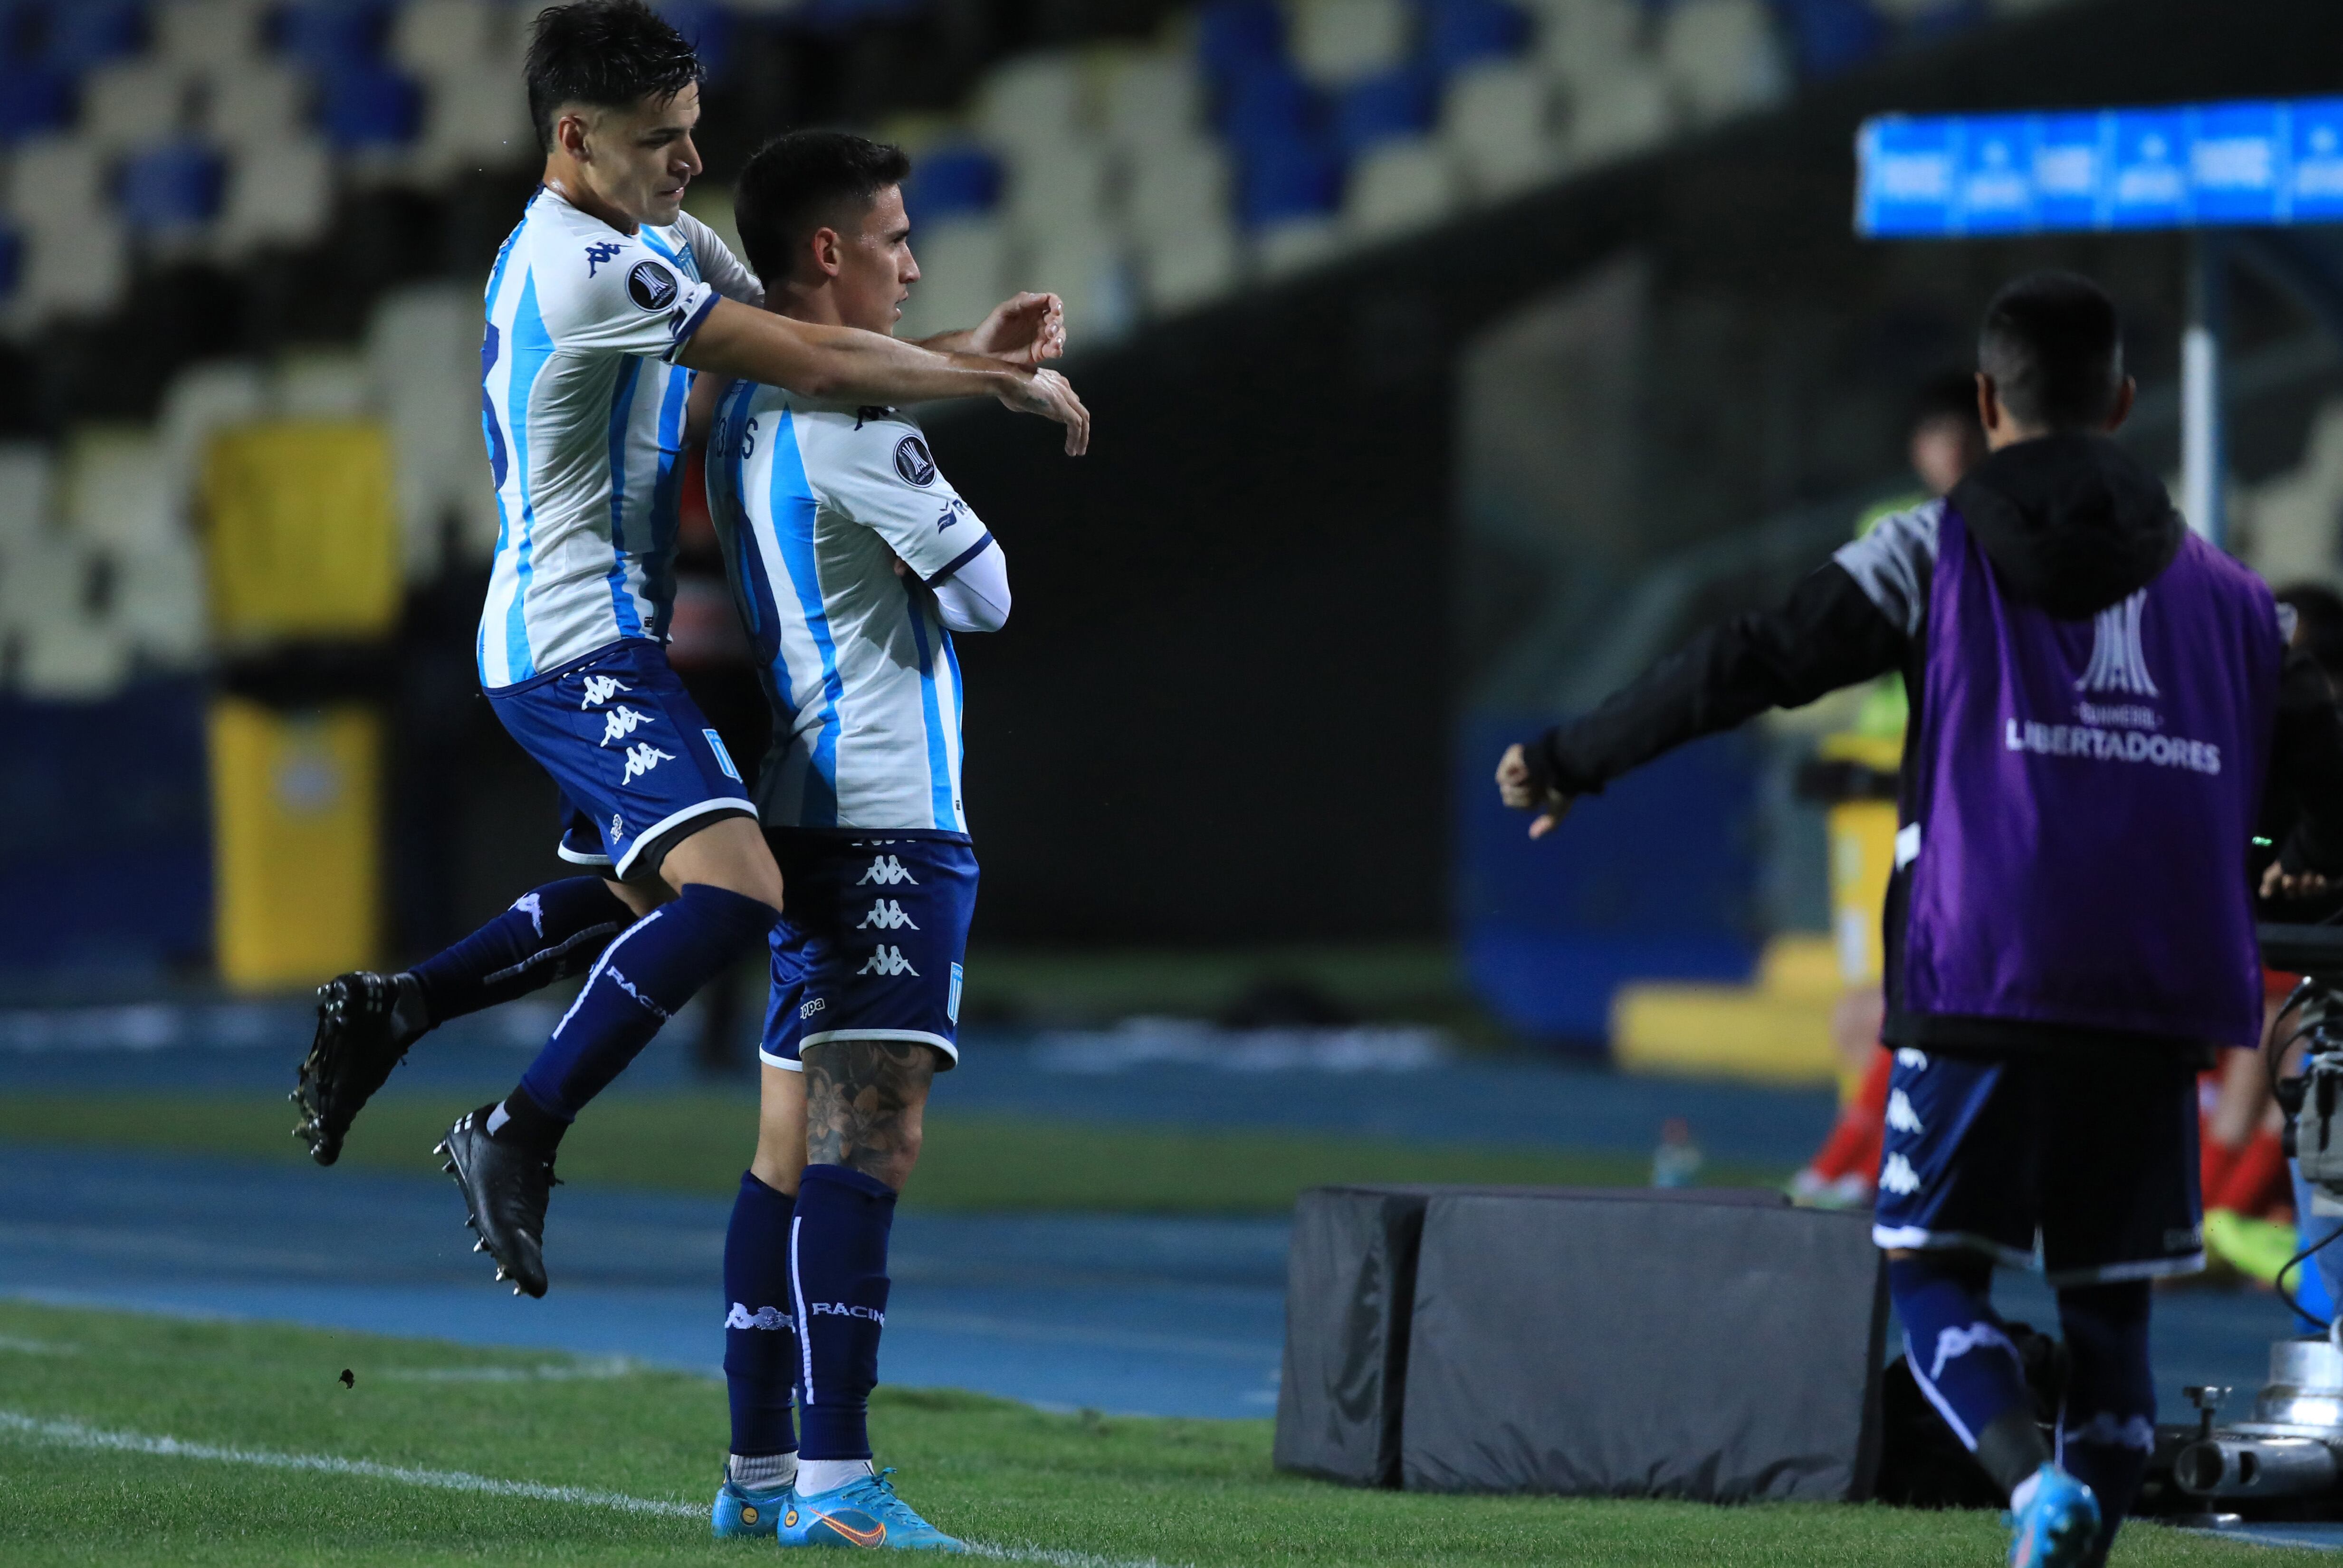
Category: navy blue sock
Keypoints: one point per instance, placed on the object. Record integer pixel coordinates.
(760, 1337)
(838, 1258)
(1960, 1353)
(653, 968)
(2107, 1432)
(547, 935)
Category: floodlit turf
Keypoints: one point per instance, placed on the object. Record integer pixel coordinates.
(1116, 1490)
(699, 1143)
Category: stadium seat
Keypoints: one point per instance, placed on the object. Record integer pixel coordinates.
(1152, 99)
(209, 35)
(1181, 270)
(1832, 37)
(334, 36)
(1461, 33)
(1265, 101)
(134, 101)
(964, 272)
(277, 193)
(77, 269)
(708, 26)
(119, 491)
(1721, 57)
(83, 34)
(33, 99)
(1622, 114)
(1033, 103)
(203, 400)
(1582, 41)
(1400, 102)
(324, 384)
(1335, 42)
(1399, 185)
(1234, 36)
(56, 182)
(475, 118)
(423, 355)
(171, 189)
(1498, 122)
(1177, 186)
(1086, 269)
(27, 492)
(432, 38)
(1060, 192)
(254, 103)
(952, 180)
(1295, 245)
(369, 106)
(1287, 177)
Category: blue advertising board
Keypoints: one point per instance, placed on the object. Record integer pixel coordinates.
(2240, 165)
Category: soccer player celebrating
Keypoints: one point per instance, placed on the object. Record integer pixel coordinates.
(602, 302)
(2098, 699)
(853, 561)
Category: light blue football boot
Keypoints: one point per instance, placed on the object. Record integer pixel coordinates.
(865, 1513)
(2058, 1525)
(748, 1510)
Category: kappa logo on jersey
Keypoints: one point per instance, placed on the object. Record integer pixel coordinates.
(2119, 663)
(1898, 1177)
(1954, 1343)
(950, 514)
(600, 252)
(620, 723)
(650, 284)
(870, 411)
(911, 461)
(741, 1317)
(641, 758)
(1901, 1117)
(887, 872)
(845, 1310)
(601, 689)
(887, 963)
(887, 915)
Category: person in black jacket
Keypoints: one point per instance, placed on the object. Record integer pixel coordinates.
(2099, 699)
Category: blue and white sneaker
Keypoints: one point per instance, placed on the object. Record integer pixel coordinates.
(865, 1513)
(2058, 1525)
(746, 1510)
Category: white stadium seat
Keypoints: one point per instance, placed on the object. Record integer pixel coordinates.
(1397, 186)
(324, 384)
(1150, 99)
(75, 268)
(1582, 41)
(1722, 57)
(56, 181)
(474, 118)
(1337, 41)
(964, 271)
(1175, 186)
(27, 496)
(1188, 267)
(1035, 103)
(254, 103)
(201, 401)
(134, 101)
(1619, 116)
(1498, 123)
(1086, 269)
(279, 194)
(422, 353)
(1296, 245)
(118, 489)
(208, 35)
(62, 651)
(435, 39)
(1057, 190)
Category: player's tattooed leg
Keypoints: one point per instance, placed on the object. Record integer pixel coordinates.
(864, 1101)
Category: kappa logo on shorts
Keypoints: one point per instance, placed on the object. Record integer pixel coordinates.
(601, 689)
(1898, 1177)
(1917, 1061)
(622, 721)
(887, 872)
(888, 963)
(641, 758)
(617, 826)
(887, 915)
(741, 1317)
(912, 461)
(651, 286)
(813, 1006)
(1901, 1117)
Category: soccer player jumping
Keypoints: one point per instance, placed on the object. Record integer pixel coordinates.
(2098, 701)
(853, 560)
(602, 302)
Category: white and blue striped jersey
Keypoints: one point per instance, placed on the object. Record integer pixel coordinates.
(814, 504)
(583, 407)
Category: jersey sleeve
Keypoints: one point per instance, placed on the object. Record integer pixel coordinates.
(876, 470)
(616, 294)
(725, 272)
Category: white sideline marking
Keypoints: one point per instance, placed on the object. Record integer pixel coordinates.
(585, 1370)
(38, 1347)
(74, 1435)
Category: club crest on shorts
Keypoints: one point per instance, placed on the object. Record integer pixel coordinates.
(651, 286)
(912, 461)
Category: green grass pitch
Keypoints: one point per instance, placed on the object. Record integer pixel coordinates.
(258, 1409)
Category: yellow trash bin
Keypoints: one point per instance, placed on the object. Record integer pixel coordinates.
(297, 807)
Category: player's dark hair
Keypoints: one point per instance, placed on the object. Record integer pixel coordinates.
(2318, 620)
(609, 54)
(2053, 344)
(804, 181)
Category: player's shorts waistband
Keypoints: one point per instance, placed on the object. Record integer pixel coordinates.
(625, 646)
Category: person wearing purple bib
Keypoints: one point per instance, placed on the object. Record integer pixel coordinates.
(2099, 700)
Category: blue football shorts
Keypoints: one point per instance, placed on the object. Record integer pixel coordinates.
(2091, 1154)
(873, 932)
(640, 769)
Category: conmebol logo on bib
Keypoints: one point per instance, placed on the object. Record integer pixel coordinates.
(2118, 663)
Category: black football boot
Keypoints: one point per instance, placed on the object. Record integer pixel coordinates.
(365, 1021)
(506, 1184)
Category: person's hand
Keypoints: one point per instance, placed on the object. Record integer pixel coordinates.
(1052, 396)
(1023, 330)
(1519, 790)
(2279, 883)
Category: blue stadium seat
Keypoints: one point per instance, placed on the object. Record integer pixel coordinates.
(708, 26)
(1833, 36)
(86, 33)
(1234, 36)
(1287, 177)
(33, 98)
(369, 106)
(1457, 33)
(175, 185)
(1945, 19)
(952, 181)
(331, 36)
(1265, 100)
(1400, 102)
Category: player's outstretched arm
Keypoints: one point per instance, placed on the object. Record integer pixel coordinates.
(843, 365)
(1024, 329)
